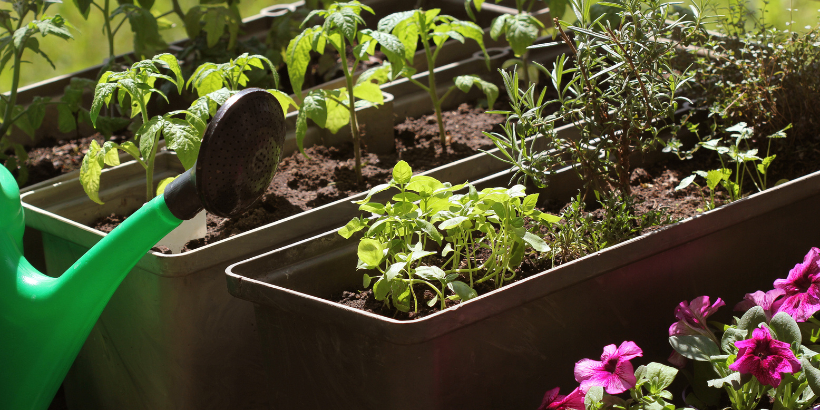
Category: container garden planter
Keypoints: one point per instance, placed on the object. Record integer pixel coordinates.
(504, 349)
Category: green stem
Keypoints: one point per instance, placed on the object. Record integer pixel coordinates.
(431, 80)
(178, 10)
(15, 82)
(149, 166)
(106, 16)
(354, 124)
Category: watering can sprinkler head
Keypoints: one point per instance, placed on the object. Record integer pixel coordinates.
(44, 321)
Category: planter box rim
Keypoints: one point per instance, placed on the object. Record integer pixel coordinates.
(585, 268)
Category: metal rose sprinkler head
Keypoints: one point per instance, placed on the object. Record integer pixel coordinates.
(45, 320)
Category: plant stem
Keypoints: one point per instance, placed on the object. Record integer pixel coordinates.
(354, 123)
(12, 101)
(431, 80)
(149, 166)
(178, 10)
(106, 16)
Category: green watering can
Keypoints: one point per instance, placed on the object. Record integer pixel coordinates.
(44, 321)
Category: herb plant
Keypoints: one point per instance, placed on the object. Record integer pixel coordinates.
(133, 89)
(412, 27)
(334, 109)
(621, 94)
(739, 152)
(19, 36)
(427, 214)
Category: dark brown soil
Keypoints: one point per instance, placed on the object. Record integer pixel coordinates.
(303, 183)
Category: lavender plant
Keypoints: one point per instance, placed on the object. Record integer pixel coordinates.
(21, 35)
(335, 109)
(428, 214)
(412, 27)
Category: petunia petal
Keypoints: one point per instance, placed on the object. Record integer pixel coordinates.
(629, 350)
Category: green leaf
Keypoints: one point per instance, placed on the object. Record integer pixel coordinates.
(498, 26)
(387, 23)
(315, 107)
(371, 251)
(697, 347)
(430, 230)
(164, 183)
(284, 100)
(402, 173)
(173, 65)
(812, 375)
(424, 184)
(751, 319)
(366, 280)
(147, 135)
(452, 222)
(594, 396)
(90, 172)
(394, 270)
(659, 376)
(355, 225)
(370, 92)
(297, 57)
(786, 329)
(338, 116)
(381, 288)
(147, 40)
(730, 336)
(130, 148)
(463, 290)
(686, 182)
(714, 177)
(102, 93)
(431, 273)
(522, 31)
(184, 139)
(732, 380)
(465, 82)
(536, 242)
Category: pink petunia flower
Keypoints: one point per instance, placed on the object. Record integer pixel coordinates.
(801, 288)
(765, 300)
(614, 372)
(765, 358)
(572, 401)
(692, 317)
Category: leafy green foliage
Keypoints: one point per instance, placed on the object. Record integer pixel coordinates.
(147, 39)
(214, 19)
(210, 77)
(71, 113)
(426, 214)
(133, 89)
(620, 103)
(340, 31)
(744, 157)
(712, 361)
(581, 233)
(17, 37)
(419, 26)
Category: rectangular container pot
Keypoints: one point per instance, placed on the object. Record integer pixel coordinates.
(504, 349)
(172, 336)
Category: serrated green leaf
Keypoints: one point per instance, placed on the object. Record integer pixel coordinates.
(184, 139)
(521, 33)
(90, 172)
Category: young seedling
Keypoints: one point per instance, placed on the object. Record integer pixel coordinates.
(133, 89)
(415, 26)
(334, 109)
(210, 77)
(19, 36)
(427, 214)
(740, 153)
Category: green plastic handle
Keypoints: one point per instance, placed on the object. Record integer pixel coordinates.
(44, 321)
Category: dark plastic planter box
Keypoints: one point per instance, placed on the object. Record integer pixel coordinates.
(506, 348)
